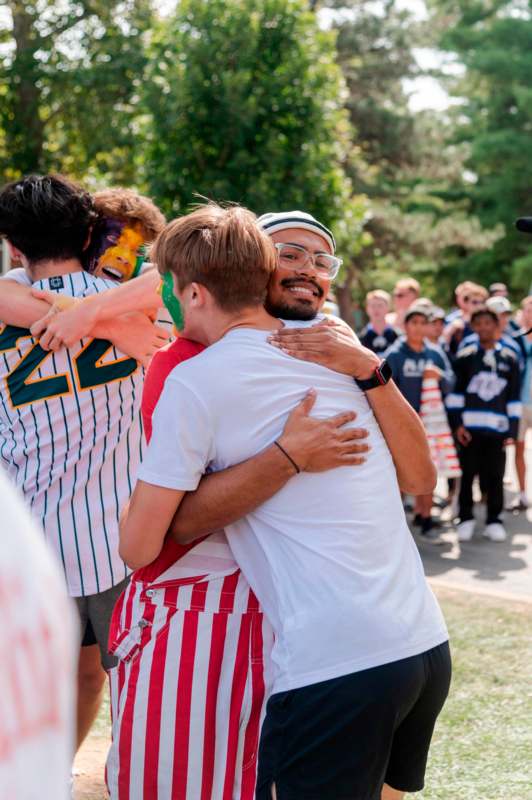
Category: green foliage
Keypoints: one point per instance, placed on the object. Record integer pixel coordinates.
(69, 84)
(492, 40)
(375, 51)
(245, 104)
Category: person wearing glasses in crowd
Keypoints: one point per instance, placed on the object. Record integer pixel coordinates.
(469, 296)
(406, 292)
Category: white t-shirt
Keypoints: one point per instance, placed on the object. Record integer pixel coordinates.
(330, 556)
(39, 643)
(71, 438)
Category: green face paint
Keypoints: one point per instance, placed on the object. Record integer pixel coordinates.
(141, 258)
(171, 302)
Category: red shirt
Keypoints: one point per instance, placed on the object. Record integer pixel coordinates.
(161, 365)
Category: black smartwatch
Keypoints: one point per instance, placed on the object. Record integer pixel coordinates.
(381, 376)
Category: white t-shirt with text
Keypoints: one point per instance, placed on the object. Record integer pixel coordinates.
(330, 556)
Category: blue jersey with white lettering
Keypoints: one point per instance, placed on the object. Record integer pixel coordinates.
(506, 340)
(486, 396)
(71, 439)
(378, 342)
(408, 366)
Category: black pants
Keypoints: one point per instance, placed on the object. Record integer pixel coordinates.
(484, 456)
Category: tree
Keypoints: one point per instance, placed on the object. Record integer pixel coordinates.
(245, 104)
(419, 223)
(494, 118)
(375, 47)
(69, 79)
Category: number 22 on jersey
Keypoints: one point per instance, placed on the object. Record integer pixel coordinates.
(87, 366)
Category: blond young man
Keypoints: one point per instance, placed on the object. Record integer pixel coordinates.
(378, 335)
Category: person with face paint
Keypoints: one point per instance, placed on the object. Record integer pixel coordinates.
(70, 421)
(125, 223)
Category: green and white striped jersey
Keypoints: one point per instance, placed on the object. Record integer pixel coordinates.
(71, 439)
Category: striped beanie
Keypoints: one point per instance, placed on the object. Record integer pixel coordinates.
(282, 220)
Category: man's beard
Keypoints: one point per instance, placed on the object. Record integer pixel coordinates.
(284, 311)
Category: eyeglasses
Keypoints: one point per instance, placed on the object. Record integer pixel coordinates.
(292, 256)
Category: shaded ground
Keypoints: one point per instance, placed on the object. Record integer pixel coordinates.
(497, 568)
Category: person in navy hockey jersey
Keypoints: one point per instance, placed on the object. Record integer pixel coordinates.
(413, 357)
(484, 411)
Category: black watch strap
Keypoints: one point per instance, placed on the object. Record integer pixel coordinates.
(380, 377)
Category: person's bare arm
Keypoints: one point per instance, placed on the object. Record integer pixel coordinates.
(406, 439)
(145, 521)
(134, 334)
(63, 330)
(334, 345)
(314, 445)
(18, 306)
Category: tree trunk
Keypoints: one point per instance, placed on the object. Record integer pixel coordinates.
(25, 129)
(344, 296)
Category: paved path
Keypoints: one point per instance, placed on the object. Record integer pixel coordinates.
(503, 569)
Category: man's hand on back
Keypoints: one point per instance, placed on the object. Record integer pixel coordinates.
(332, 344)
(317, 445)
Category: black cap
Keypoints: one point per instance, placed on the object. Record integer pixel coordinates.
(524, 224)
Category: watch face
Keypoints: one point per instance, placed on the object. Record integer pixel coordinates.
(385, 372)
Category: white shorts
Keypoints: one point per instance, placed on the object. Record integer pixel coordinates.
(188, 695)
(524, 423)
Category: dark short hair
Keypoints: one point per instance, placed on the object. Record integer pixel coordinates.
(484, 311)
(46, 217)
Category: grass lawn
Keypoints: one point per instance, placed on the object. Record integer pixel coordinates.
(482, 747)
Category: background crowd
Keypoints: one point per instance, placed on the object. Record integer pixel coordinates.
(465, 370)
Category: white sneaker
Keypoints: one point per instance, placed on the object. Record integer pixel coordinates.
(465, 530)
(495, 531)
